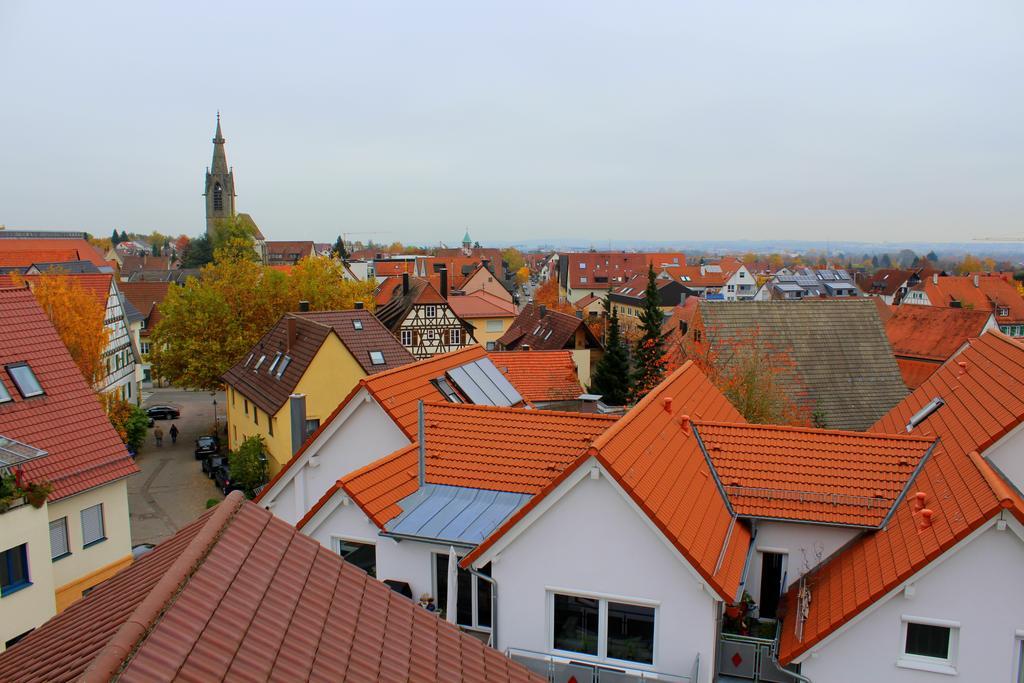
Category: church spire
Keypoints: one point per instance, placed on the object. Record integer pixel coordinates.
(220, 157)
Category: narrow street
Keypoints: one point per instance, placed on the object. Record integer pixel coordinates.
(172, 490)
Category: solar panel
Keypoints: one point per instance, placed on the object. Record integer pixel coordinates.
(484, 384)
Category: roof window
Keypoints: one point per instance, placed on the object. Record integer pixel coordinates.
(445, 388)
(357, 324)
(376, 357)
(4, 395)
(263, 357)
(25, 380)
(285, 362)
(922, 415)
(248, 360)
(277, 359)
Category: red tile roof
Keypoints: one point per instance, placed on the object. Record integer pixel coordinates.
(603, 269)
(482, 447)
(97, 284)
(480, 304)
(811, 475)
(84, 452)
(25, 252)
(915, 372)
(984, 400)
(241, 595)
(654, 456)
(540, 375)
(991, 293)
(933, 332)
(146, 296)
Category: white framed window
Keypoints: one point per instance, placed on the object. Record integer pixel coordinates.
(455, 337)
(430, 335)
(376, 358)
(928, 644)
(583, 266)
(431, 311)
(490, 346)
(583, 279)
(92, 525)
(602, 627)
(59, 539)
(494, 325)
(145, 348)
(474, 601)
(406, 337)
(359, 553)
(730, 288)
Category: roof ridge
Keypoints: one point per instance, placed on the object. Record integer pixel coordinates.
(814, 430)
(631, 414)
(423, 362)
(1002, 491)
(113, 656)
(438, 403)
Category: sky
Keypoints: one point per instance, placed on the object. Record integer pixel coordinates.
(589, 120)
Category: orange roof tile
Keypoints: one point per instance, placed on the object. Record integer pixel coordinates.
(991, 293)
(540, 375)
(654, 456)
(481, 447)
(480, 304)
(915, 372)
(983, 392)
(933, 332)
(813, 475)
(25, 252)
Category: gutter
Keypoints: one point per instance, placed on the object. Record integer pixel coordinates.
(494, 604)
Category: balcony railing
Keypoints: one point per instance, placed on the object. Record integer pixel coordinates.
(563, 669)
(750, 659)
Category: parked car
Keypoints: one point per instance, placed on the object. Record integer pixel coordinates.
(213, 463)
(207, 446)
(222, 478)
(163, 412)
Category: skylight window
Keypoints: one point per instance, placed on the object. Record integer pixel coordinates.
(4, 396)
(922, 415)
(285, 362)
(277, 359)
(259, 362)
(376, 357)
(25, 380)
(446, 389)
(357, 324)
(248, 360)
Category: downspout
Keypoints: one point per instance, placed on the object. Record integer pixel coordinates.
(494, 604)
(422, 459)
(795, 675)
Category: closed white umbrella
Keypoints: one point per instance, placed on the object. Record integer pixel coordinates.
(452, 603)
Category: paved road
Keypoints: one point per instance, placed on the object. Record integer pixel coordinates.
(172, 490)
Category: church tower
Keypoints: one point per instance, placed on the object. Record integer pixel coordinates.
(220, 184)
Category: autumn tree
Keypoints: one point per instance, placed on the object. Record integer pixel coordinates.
(522, 275)
(215, 319)
(321, 281)
(547, 294)
(196, 253)
(129, 420)
(611, 374)
(970, 264)
(513, 259)
(77, 315)
(649, 362)
(235, 238)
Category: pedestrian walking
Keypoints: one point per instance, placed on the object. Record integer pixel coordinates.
(158, 434)
(174, 433)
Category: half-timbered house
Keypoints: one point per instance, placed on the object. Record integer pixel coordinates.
(420, 317)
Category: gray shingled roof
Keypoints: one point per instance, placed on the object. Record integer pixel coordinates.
(843, 364)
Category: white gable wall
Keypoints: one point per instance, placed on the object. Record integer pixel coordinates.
(1008, 456)
(593, 542)
(978, 586)
(361, 434)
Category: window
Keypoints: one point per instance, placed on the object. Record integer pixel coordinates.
(25, 380)
(145, 348)
(4, 395)
(270, 424)
(259, 362)
(311, 426)
(455, 337)
(59, 539)
(431, 311)
(376, 357)
(406, 337)
(273, 364)
(285, 362)
(92, 525)
(490, 346)
(583, 279)
(603, 628)
(14, 570)
(218, 198)
(929, 644)
(357, 324)
(245, 405)
(256, 415)
(583, 266)
(430, 335)
(362, 555)
(1003, 311)
(730, 288)
(474, 600)
(696, 335)
(494, 326)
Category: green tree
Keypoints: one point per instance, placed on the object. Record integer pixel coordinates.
(338, 250)
(649, 361)
(196, 253)
(933, 257)
(321, 281)
(247, 466)
(611, 374)
(513, 259)
(128, 419)
(235, 237)
(114, 238)
(124, 237)
(156, 249)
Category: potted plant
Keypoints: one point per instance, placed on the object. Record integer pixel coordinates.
(36, 493)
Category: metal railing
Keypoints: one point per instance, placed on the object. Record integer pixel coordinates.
(750, 658)
(558, 669)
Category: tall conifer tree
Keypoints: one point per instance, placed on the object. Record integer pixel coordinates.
(649, 353)
(611, 374)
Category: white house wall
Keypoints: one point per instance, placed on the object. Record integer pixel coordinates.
(366, 433)
(592, 542)
(1008, 455)
(978, 587)
(797, 541)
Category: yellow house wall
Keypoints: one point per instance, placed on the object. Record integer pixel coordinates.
(328, 379)
(31, 606)
(480, 332)
(86, 567)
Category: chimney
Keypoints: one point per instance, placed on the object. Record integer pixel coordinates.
(359, 305)
(292, 334)
(405, 283)
(422, 436)
(486, 263)
(543, 310)
(579, 314)
(303, 306)
(297, 402)
(975, 280)
(935, 278)
(444, 283)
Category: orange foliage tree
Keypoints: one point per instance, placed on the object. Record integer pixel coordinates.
(78, 315)
(547, 294)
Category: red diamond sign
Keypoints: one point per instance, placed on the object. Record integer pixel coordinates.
(736, 659)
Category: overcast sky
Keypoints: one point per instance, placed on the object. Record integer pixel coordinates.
(588, 120)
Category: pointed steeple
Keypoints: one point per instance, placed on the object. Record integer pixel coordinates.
(466, 241)
(220, 157)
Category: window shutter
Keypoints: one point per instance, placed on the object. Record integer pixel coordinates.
(92, 524)
(58, 537)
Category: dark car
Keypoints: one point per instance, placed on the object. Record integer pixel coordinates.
(163, 412)
(213, 463)
(207, 446)
(222, 478)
